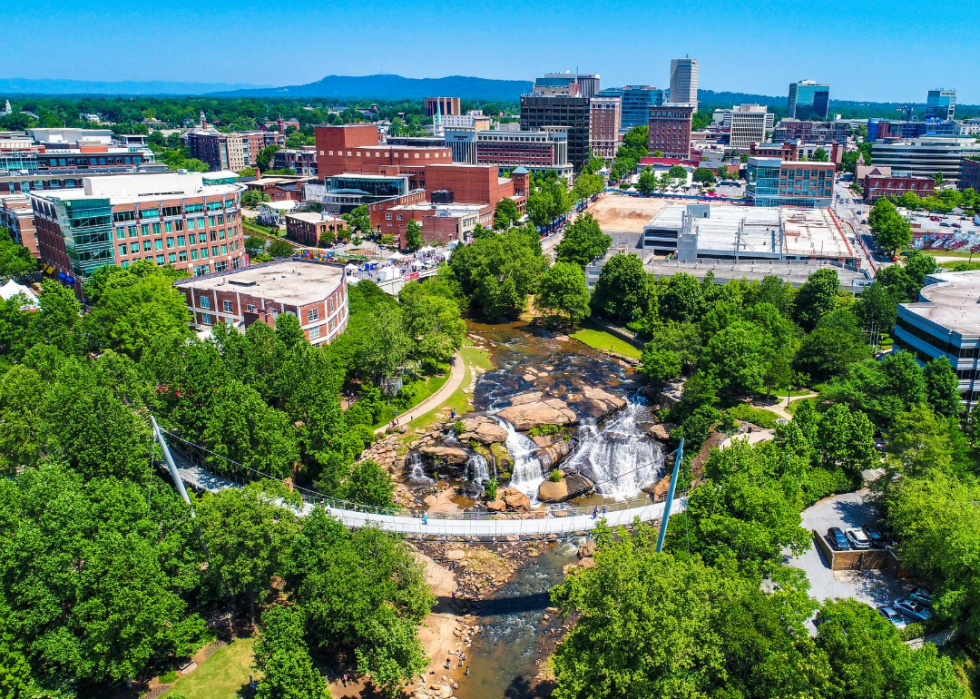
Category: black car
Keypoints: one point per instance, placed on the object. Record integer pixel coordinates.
(837, 539)
(878, 538)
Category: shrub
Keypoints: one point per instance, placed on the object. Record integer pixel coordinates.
(458, 428)
(543, 430)
(822, 482)
(765, 419)
(490, 489)
(555, 476)
(168, 677)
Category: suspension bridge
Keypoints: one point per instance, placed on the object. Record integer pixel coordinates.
(186, 469)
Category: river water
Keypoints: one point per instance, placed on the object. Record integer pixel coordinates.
(617, 455)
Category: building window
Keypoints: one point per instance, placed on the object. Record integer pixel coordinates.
(206, 318)
(203, 301)
(250, 308)
(312, 314)
(182, 255)
(226, 306)
(172, 257)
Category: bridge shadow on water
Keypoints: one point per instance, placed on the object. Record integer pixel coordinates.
(503, 605)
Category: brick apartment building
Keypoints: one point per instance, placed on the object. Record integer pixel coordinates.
(280, 188)
(441, 223)
(880, 182)
(17, 215)
(233, 150)
(307, 226)
(314, 292)
(670, 130)
(184, 220)
(775, 182)
(811, 131)
(302, 161)
(605, 115)
(447, 106)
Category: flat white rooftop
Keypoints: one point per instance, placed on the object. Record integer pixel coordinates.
(952, 300)
(291, 282)
(312, 217)
(128, 189)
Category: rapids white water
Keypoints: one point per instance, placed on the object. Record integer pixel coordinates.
(416, 469)
(527, 474)
(477, 470)
(620, 458)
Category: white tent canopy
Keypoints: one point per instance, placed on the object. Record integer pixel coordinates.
(397, 256)
(426, 250)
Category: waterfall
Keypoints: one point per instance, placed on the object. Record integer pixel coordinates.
(620, 459)
(477, 471)
(416, 469)
(527, 474)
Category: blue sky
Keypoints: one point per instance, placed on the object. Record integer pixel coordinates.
(894, 50)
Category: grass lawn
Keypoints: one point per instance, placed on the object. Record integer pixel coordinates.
(963, 266)
(600, 340)
(791, 408)
(947, 253)
(222, 676)
(422, 392)
(765, 419)
(472, 357)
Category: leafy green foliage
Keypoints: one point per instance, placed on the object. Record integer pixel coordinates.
(282, 655)
(621, 292)
(547, 202)
(563, 292)
(584, 241)
(891, 231)
(413, 235)
(15, 260)
(506, 214)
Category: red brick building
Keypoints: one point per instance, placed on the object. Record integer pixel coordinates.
(604, 119)
(470, 184)
(877, 185)
(307, 226)
(356, 148)
(314, 292)
(280, 188)
(783, 151)
(670, 130)
(17, 215)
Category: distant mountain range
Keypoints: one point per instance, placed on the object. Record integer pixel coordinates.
(27, 86)
(392, 87)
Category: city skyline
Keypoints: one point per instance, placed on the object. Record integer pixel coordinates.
(753, 50)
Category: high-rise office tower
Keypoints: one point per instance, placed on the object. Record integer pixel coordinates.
(808, 99)
(941, 104)
(684, 81)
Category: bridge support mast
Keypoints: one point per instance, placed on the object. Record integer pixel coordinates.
(670, 495)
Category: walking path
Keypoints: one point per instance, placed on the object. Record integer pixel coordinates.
(780, 407)
(457, 370)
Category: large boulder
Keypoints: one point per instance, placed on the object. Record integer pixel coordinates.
(533, 410)
(482, 429)
(596, 402)
(450, 455)
(551, 491)
(510, 500)
(553, 453)
(660, 432)
(658, 489)
(578, 484)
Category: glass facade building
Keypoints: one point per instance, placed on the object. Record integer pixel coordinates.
(941, 104)
(808, 100)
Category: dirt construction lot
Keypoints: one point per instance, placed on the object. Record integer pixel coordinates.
(618, 213)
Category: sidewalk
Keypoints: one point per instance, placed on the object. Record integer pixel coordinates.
(457, 370)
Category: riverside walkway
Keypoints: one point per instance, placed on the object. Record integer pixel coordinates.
(557, 521)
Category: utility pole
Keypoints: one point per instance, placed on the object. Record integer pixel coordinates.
(670, 496)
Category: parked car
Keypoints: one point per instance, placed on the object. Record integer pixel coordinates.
(837, 539)
(910, 608)
(878, 538)
(935, 218)
(957, 225)
(859, 540)
(922, 596)
(896, 619)
(946, 224)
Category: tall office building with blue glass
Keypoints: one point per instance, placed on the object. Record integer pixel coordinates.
(636, 102)
(941, 104)
(809, 100)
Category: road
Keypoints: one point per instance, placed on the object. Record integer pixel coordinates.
(851, 211)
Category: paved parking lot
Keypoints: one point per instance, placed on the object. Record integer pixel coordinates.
(873, 587)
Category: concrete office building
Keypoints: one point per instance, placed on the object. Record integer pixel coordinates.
(945, 322)
(924, 157)
(776, 182)
(604, 120)
(941, 104)
(749, 123)
(442, 105)
(191, 221)
(537, 151)
(567, 85)
(808, 99)
(670, 130)
(684, 81)
(572, 113)
(703, 232)
(969, 174)
(314, 292)
(474, 119)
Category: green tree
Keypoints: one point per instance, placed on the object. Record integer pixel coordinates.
(387, 346)
(548, 202)
(432, 322)
(327, 238)
(280, 248)
(506, 214)
(264, 157)
(683, 299)
(289, 331)
(835, 343)
(820, 155)
(891, 231)
(672, 349)
(282, 656)
(942, 387)
(587, 186)
(621, 291)
(816, 298)
(583, 242)
(737, 357)
(647, 182)
(368, 484)
(413, 235)
(247, 532)
(359, 219)
(254, 245)
(563, 291)
(677, 172)
(704, 175)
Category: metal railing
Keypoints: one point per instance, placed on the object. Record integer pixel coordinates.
(243, 475)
